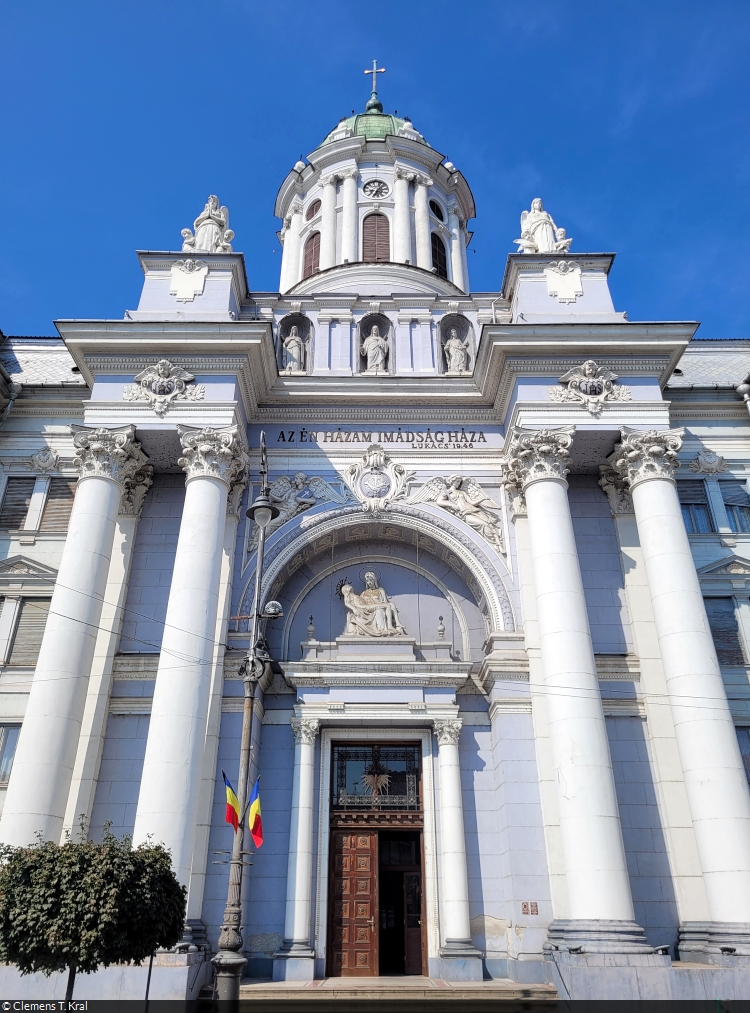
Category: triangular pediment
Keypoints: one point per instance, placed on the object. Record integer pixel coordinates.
(23, 568)
(730, 566)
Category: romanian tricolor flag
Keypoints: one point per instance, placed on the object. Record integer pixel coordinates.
(254, 818)
(233, 805)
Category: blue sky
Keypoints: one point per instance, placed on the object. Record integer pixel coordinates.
(630, 119)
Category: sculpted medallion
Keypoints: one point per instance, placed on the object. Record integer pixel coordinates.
(591, 386)
(370, 613)
(161, 384)
(375, 480)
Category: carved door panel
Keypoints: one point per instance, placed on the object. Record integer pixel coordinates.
(354, 933)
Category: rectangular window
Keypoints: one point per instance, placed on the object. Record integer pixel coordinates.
(8, 740)
(59, 503)
(376, 777)
(737, 503)
(695, 510)
(32, 618)
(722, 619)
(743, 737)
(16, 502)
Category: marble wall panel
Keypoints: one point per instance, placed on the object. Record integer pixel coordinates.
(119, 782)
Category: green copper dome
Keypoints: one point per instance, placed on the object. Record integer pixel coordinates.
(372, 124)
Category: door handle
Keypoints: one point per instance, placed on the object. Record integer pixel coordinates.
(371, 922)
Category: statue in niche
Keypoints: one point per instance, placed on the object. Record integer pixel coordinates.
(375, 348)
(465, 498)
(539, 234)
(294, 351)
(212, 232)
(370, 613)
(456, 352)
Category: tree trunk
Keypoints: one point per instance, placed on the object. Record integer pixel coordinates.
(71, 982)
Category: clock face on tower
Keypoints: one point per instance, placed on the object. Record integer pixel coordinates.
(375, 188)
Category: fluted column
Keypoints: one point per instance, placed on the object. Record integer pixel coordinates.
(328, 222)
(401, 216)
(422, 222)
(296, 945)
(714, 775)
(291, 268)
(108, 460)
(167, 803)
(600, 911)
(457, 258)
(349, 231)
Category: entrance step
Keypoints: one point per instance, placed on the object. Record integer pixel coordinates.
(401, 989)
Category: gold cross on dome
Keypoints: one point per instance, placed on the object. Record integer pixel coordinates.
(375, 71)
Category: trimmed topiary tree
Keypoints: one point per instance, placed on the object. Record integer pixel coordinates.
(80, 905)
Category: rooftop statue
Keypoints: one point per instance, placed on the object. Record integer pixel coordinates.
(370, 613)
(539, 234)
(212, 232)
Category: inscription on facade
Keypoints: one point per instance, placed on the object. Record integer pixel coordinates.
(464, 439)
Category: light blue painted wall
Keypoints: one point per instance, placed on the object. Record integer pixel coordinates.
(645, 846)
(153, 563)
(120, 772)
(599, 556)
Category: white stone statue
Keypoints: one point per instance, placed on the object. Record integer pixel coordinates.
(294, 496)
(375, 348)
(539, 234)
(456, 352)
(294, 351)
(371, 613)
(465, 498)
(212, 232)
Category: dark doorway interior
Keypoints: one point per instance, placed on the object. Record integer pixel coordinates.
(400, 902)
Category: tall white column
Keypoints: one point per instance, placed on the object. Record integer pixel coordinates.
(328, 222)
(167, 803)
(296, 943)
(422, 222)
(457, 260)
(45, 757)
(291, 267)
(712, 765)
(454, 879)
(401, 216)
(349, 232)
(599, 899)
(96, 711)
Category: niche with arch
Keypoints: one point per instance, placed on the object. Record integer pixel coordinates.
(465, 333)
(364, 331)
(305, 331)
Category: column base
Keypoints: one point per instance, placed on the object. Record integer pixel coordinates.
(459, 960)
(294, 962)
(194, 936)
(595, 935)
(723, 944)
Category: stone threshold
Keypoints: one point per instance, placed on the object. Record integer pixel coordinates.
(404, 988)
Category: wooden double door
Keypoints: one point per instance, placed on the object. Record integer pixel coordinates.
(376, 903)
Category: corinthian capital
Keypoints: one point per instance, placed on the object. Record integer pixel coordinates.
(644, 456)
(617, 490)
(305, 730)
(329, 180)
(533, 455)
(212, 453)
(351, 173)
(107, 453)
(404, 172)
(448, 731)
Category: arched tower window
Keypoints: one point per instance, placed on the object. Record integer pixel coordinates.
(439, 259)
(313, 210)
(437, 210)
(376, 243)
(312, 255)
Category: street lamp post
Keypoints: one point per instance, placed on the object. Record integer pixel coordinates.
(229, 961)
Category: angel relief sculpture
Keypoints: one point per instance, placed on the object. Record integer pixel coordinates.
(591, 386)
(163, 383)
(294, 496)
(465, 498)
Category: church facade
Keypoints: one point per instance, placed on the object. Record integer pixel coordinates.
(504, 730)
